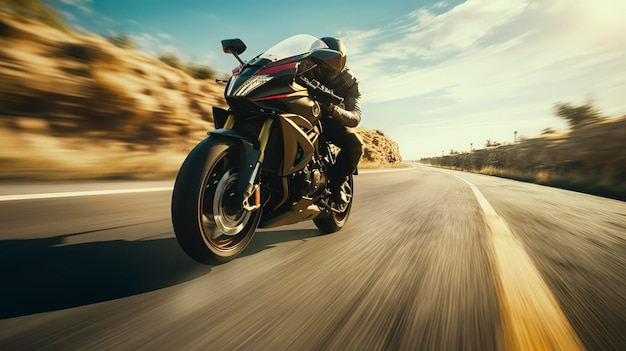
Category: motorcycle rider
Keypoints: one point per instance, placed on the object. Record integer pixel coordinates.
(339, 121)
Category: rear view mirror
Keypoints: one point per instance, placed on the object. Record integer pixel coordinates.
(332, 59)
(233, 46)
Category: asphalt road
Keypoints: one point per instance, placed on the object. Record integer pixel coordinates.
(429, 260)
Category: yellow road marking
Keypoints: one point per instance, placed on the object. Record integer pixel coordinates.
(531, 316)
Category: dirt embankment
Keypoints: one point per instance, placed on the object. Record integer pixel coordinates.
(76, 106)
(589, 158)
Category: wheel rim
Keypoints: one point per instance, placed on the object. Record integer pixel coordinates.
(228, 220)
(223, 225)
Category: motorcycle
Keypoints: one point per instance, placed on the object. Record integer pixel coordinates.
(267, 162)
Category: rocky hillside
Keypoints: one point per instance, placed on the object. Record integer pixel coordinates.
(379, 150)
(77, 106)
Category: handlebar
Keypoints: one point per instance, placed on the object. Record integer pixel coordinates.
(319, 91)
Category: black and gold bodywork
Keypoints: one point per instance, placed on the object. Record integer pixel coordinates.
(281, 119)
(274, 154)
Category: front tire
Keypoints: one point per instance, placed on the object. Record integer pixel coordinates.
(331, 221)
(210, 223)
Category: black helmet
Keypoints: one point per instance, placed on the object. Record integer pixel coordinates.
(335, 44)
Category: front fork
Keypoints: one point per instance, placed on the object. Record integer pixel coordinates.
(252, 160)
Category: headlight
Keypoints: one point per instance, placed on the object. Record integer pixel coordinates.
(251, 84)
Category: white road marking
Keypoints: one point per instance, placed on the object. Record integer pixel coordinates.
(79, 193)
(381, 170)
(531, 316)
(57, 195)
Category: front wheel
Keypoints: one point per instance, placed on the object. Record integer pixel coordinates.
(332, 221)
(210, 224)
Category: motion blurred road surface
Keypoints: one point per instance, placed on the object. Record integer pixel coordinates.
(429, 260)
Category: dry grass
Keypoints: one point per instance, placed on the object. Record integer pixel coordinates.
(363, 164)
(590, 159)
(42, 157)
(76, 106)
(45, 158)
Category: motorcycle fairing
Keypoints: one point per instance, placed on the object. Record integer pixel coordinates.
(219, 117)
(298, 149)
(277, 67)
(303, 210)
(258, 73)
(282, 96)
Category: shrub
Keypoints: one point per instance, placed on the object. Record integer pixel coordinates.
(577, 116)
(122, 41)
(194, 70)
(199, 72)
(36, 10)
(171, 61)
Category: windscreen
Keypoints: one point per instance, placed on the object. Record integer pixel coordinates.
(292, 46)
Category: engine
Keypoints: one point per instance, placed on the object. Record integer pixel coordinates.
(310, 180)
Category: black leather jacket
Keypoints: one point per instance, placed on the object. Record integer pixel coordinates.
(346, 85)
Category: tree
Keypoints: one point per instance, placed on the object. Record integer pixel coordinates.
(493, 143)
(577, 116)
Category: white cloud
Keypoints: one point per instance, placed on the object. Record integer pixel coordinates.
(83, 5)
(493, 47)
(440, 5)
(357, 42)
(486, 68)
(153, 45)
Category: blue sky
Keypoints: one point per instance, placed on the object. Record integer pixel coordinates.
(435, 75)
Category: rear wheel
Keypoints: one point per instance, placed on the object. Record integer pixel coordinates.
(209, 220)
(332, 221)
